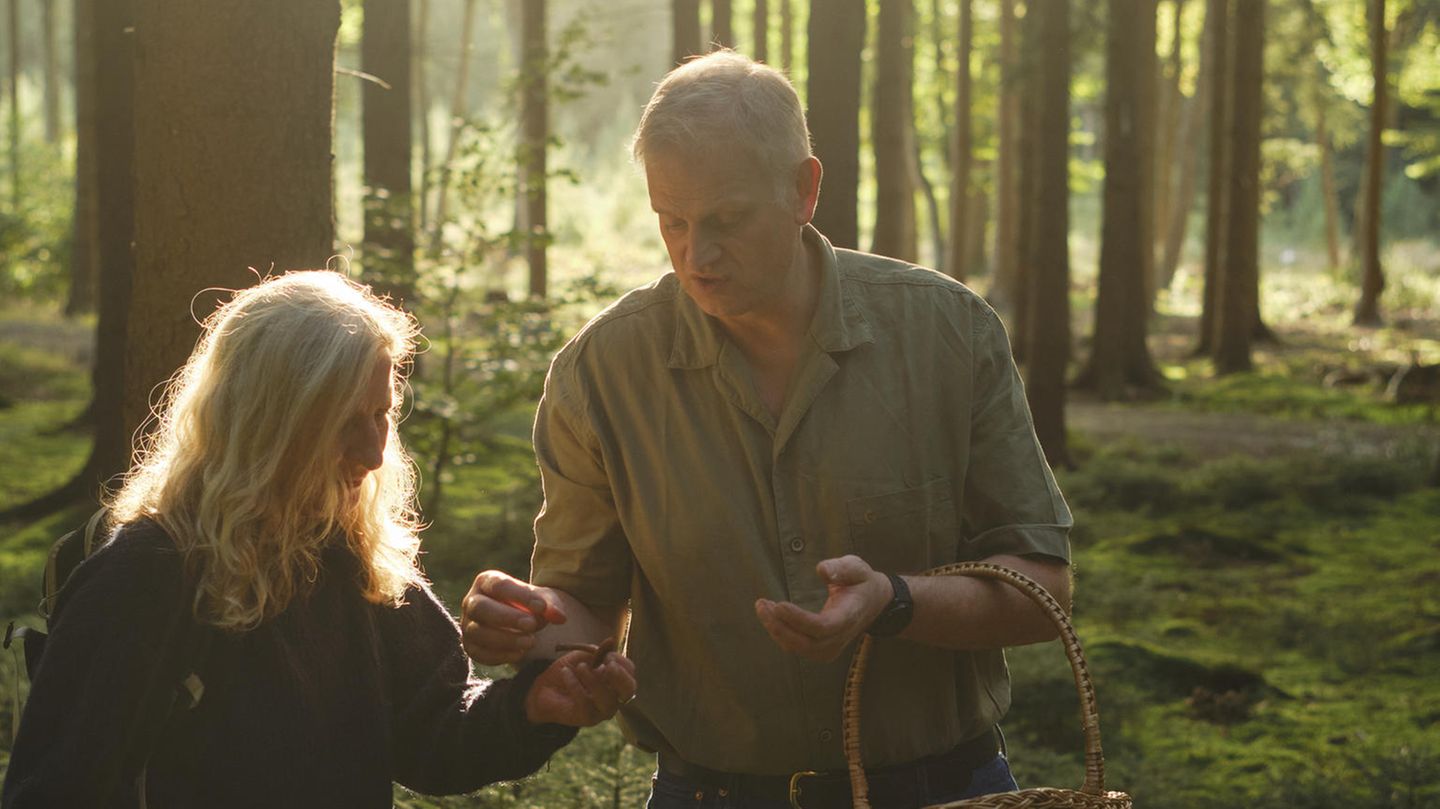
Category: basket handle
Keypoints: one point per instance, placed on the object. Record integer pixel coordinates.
(1089, 715)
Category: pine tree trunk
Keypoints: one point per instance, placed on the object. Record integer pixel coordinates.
(1003, 288)
(960, 150)
(1050, 280)
(722, 26)
(1216, 215)
(685, 29)
(535, 122)
(787, 36)
(977, 221)
(1188, 153)
(1120, 363)
(760, 30)
(1367, 310)
(420, 55)
(389, 251)
(1238, 308)
(932, 205)
(1143, 27)
(891, 131)
(1167, 119)
(833, 95)
(1028, 91)
(84, 264)
(1327, 180)
(16, 192)
(236, 97)
(52, 71)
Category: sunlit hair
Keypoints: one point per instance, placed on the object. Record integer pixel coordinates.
(725, 97)
(244, 467)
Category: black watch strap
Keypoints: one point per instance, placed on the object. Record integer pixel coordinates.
(897, 614)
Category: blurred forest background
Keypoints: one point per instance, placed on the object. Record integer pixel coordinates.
(1212, 228)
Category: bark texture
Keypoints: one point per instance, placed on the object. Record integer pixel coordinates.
(1218, 13)
(833, 96)
(1367, 309)
(760, 30)
(535, 124)
(957, 255)
(1238, 302)
(892, 130)
(1003, 290)
(684, 29)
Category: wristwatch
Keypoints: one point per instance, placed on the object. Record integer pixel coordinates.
(897, 614)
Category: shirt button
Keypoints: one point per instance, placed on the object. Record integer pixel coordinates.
(870, 516)
(826, 735)
(797, 544)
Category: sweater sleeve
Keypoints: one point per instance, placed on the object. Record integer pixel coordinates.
(98, 696)
(454, 732)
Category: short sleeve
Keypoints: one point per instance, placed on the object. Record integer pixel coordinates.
(580, 545)
(1012, 503)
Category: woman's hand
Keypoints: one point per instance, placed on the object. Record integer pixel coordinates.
(573, 691)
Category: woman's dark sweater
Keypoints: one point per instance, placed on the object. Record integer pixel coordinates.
(322, 706)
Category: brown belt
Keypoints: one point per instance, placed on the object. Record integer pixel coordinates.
(897, 784)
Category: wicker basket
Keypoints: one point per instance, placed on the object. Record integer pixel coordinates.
(1092, 795)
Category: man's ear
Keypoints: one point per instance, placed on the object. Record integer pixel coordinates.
(807, 189)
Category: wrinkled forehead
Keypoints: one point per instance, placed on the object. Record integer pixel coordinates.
(701, 173)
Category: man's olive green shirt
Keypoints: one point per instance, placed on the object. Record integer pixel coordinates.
(905, 439)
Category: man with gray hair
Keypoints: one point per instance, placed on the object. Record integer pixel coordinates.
(756, 454)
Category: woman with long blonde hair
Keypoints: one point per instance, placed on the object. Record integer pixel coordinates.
(266, 546)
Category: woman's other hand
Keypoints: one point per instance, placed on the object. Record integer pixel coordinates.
(573, 691)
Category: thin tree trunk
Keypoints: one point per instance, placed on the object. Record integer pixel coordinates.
(685, 29)
(942, 109)
(1216, 215)
(1003, 288)
(891, 131)
(1120, 363)
(231, 96)
(420, 54)
(1143, 27)
(787, 35)
(833, 94)
(1238, 300)
(52, 71)
(15, 183)
(1327, 179)
(389, 251)
(960, 149)
(1167, 119)
(1367, 310)
(84, 264)
(1188, 153)
(722, 26)
(976, 223)
(459, 109)
(535, 121)
(1027, 90)
(932, 205)
(1050, 280)
(760, 29)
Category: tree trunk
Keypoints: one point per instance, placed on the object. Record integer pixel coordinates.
(760, 28)
(389, 252)
(1188, 154)
(84, 264)
(1120, 361)
(722, 29)
(1367, 310)
(1147, 124)
(1003, 286)
(459, 109)
(535, 123)
(960, 150)
(227, 96)
(1238, 301)
(15, 183)
(1327, 179)
(420, 54)
(1027, 89)
(1167, 119)
(787, 35)
(977, 221)
(1216, 216)
(891, 130)
(932, 205)
(685, 29)
(52, 71)
(833, 95)
(1050, 281)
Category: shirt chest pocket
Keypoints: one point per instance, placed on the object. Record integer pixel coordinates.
(905, 531)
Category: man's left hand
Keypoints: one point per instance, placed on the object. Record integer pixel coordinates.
(858, 594)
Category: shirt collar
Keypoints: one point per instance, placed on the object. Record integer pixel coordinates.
(839, 323)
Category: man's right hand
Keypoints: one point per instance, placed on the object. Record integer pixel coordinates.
(501, 615)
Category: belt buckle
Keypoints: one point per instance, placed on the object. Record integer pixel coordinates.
(795, 786)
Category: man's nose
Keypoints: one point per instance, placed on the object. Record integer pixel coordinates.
(701, 250)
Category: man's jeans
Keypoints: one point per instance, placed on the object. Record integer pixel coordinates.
(671, 792)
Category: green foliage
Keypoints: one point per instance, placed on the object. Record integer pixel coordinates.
(36, 237)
